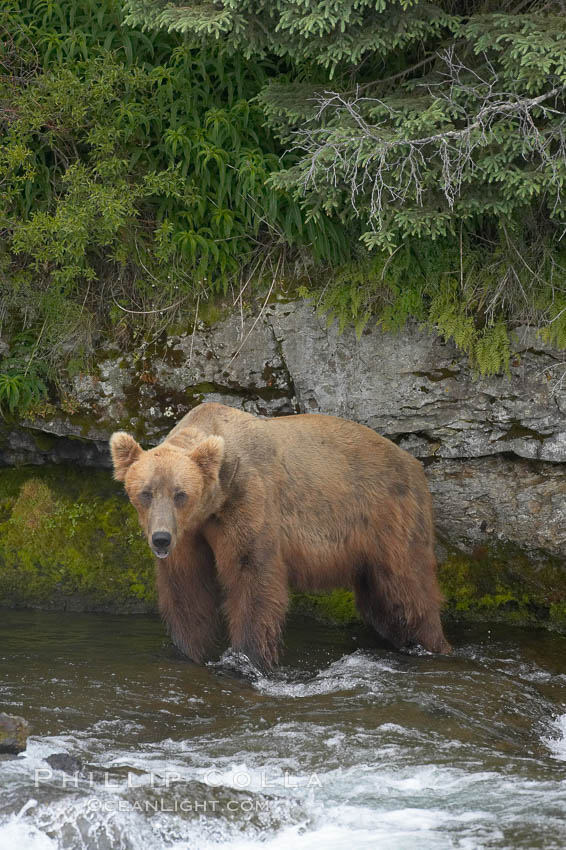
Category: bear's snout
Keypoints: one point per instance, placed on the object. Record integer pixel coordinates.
(160, 543)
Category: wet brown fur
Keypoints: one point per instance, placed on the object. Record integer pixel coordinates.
(309, 502)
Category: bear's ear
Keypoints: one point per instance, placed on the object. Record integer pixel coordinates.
(124, 451)
(208, 456)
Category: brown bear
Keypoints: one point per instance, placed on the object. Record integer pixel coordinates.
(238, 509)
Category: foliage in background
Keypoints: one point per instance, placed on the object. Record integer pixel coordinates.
(133, 175)
(397, 158)
(23, 376)
(417, 124)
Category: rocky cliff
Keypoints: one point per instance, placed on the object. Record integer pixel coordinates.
(493, 448)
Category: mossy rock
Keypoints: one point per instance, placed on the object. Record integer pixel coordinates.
(502, 584)
(336, 607)
(496, 584)
(70, 540)
(14, 732)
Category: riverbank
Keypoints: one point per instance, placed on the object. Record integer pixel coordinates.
(493, 449)
(70, 540)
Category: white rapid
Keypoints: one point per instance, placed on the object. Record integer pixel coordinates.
(346, 745)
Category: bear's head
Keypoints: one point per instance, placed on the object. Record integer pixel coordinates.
(173, 489)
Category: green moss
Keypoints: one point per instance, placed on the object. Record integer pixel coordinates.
(335, 607)
(42, 440)
(557, 615)
(70, 539)
(212, 311)
(499, 584)
(519, 432)
(438, 374)
(502, 583)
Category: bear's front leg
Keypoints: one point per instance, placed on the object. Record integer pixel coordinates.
(189, 597)
(255, 584)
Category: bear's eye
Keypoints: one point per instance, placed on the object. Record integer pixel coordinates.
(180, 498)
(145, 497)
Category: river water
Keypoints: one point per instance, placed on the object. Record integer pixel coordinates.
(347, 745)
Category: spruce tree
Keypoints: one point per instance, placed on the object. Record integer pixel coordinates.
(417, 124)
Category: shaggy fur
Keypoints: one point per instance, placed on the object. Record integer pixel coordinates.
(252, 507)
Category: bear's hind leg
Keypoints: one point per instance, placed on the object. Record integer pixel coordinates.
(377, 608)
(403, 609)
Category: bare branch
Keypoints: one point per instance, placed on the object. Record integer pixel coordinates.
(380, 163)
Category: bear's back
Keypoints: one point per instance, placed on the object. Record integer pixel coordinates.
(309, 450)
